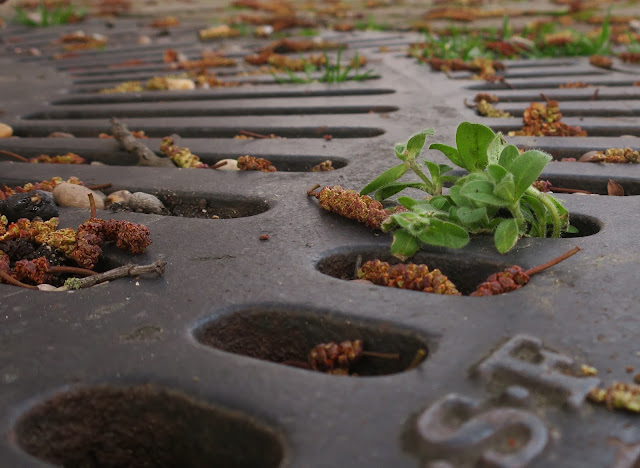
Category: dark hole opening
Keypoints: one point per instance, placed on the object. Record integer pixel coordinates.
(465, 272)
(143, 427)
(286, 336)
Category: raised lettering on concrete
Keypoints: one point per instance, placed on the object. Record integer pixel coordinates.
(456, 429)
(524, 361)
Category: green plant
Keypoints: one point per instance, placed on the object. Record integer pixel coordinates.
(370, 24)
(496, 196)
(44, 16)
(334, 73)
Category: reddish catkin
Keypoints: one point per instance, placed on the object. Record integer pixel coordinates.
(415, 277)
(515, 277)
(505, 281)
(332, 357)
(350, 204)
(250, 163)
(31, 270)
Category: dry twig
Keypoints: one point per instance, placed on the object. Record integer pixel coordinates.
(145, 156)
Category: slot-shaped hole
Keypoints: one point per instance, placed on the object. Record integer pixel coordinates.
(286, 335)
(465, 272)
(586, 225)
(143, 426)
(188, 205)
(592, 184)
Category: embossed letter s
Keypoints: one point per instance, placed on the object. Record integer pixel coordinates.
(456, 429)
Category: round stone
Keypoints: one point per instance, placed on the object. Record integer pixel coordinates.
(73, 195)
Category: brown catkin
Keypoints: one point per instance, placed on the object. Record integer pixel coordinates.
(415, 277)
(350, 204)
(505, 281)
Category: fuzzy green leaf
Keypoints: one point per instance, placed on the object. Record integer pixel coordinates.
(395, 187)
(404, 244)
(400, 149)
(388, 176)
(468, 215)
(450, 152)
(496, 172)
(509, 154)
(495, 148)
(473, 141)
(506, 188)
(416, 142)
(444, 234)
(506, 235)
(526, 169)
(482, 192)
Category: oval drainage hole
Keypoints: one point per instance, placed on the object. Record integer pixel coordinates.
(591, 185)
(190, 206)
(464, 272)
(288, 336)
(142, 427)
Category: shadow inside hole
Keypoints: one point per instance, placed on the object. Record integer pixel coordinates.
(284, 335)
(586, 225)
(142, 427)
(597, 185)
(465, 272)
(193, 206)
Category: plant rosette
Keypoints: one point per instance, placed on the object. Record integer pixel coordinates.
(496, 196)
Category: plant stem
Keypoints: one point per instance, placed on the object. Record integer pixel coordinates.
(72, 270)
(381, 355)
(430, 187)
(99, 186)
(92, 204)
(550, 263)
(549, 205)
(14, 155)
(219, 164)
(11, 280)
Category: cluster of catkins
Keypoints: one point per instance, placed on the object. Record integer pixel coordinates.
(350, 204)
(335, 358)
(544, 119)
(46, 185)
(83, 246)
(182, 157)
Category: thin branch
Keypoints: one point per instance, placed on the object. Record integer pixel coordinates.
(218, 164)
(14, 155)
(131, 269)
(72, 270)
(92, 204)
(550, 263)
(99, 186)
(11, 280)
(145, 156)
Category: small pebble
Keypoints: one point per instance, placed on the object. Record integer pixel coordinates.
(121, 196)
(587, 157)
(66, 194)
(180, 84)
(60, 135)
(144, 40)
(146, 203)
(5, 131)
(29, 205)
(232, 165)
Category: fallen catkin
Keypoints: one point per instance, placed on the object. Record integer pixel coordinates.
(415, 277)
(505, 281)
(350, 204)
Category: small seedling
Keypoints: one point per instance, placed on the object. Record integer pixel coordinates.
(334, 73)
(44, 16)
(496, 196)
